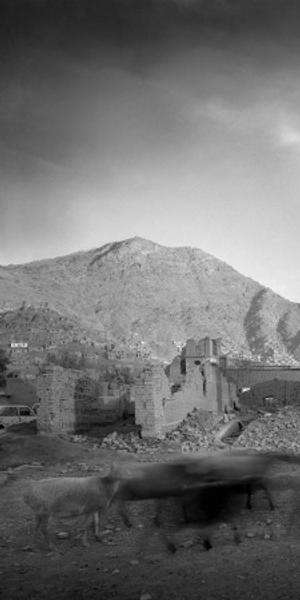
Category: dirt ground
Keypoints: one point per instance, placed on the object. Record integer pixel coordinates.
(264, 566)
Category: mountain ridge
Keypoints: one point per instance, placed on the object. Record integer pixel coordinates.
(161, 294)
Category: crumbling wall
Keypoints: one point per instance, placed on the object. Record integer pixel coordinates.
(70, 400)
(158, 410)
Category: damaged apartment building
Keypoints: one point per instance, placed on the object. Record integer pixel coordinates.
(160, 398)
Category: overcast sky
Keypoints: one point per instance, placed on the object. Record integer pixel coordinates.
(173, 120)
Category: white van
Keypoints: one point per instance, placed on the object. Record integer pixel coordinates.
(11, 414)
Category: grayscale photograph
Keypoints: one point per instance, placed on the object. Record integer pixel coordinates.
(149, 299)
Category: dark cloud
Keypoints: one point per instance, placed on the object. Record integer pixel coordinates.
(125, 21)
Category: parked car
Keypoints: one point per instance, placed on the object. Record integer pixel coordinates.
(12, 414)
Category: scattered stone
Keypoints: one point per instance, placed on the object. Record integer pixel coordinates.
(78, 439)
(115, 571)
(145, 596)
(250, 534)
(134, 562)
(187, 544)
(28, 549)
(62, 535)
(130, 442)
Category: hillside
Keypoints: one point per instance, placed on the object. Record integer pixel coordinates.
(162, 295)
(41, 327)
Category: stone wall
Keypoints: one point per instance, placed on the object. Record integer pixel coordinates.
(150, 394)
(71, 401)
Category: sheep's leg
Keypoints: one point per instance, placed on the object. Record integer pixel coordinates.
(88, 522)
(42, 525)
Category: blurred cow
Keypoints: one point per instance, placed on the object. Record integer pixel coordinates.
(206, 486)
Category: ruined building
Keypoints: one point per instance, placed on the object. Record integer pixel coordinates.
(160, 398)
(195, 379)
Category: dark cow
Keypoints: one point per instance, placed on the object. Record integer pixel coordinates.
(206, 486)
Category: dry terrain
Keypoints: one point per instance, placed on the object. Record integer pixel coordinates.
(264, 566)
(136, 290)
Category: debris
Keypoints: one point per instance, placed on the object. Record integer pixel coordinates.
(130, 442)
(272, 431)
(202, 429)
(187, 544)
(62, 535)
(78, 439)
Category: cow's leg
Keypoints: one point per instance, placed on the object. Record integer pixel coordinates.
(236, 534)
(158, 521)
(205, 537)
(157, 516)
(148, 532)
(268, 495)
(123, 513)
(249, 496)
(185, 511)
(207, 544)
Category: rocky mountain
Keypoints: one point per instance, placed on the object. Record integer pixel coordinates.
(139, 289)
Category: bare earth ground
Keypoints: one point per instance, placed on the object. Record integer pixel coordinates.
(264, 566)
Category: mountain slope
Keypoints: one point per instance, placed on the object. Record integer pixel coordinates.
(161, 294)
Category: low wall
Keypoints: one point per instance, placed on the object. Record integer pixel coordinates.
(283, 392)
(250, 376)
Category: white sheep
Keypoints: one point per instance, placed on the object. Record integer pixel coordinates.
(69, 497)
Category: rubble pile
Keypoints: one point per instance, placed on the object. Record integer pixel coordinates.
(271, 431)
(130, 442)
(199, 430)
(203, 429)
